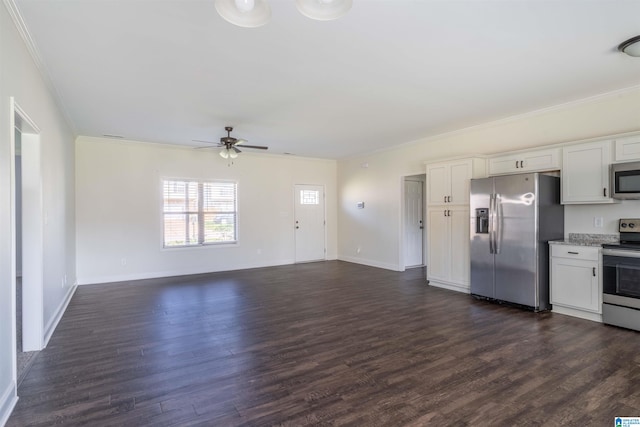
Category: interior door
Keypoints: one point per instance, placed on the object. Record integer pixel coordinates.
(413, 226)
(309, 223)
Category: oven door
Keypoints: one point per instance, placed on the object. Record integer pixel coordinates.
(621, 273)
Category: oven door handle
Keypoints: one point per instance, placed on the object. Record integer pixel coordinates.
(621, 253)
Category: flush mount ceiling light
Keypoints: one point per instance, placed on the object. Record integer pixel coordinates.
(255, 13)
(244, 13)
(631, 47)
(324, 10)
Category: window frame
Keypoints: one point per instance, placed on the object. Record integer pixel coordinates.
(201, 213)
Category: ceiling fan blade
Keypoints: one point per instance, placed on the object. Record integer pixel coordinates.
(236, 150)
(240, 141)
(206, 142)
(259, 147)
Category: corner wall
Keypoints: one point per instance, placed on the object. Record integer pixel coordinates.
(20, 78)
(376, 230)
(119, 209)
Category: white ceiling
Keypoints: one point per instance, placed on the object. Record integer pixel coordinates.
(389, 72)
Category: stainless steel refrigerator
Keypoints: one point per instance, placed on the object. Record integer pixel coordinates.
(512, 219)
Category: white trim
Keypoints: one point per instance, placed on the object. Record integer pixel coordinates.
(370, 263)
(566, 311)
(8, 401)
(52, 324)
(92, 280)
(450, 286)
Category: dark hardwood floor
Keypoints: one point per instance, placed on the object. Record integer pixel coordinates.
(328, 343)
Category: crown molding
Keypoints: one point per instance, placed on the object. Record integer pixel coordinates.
(20, 25)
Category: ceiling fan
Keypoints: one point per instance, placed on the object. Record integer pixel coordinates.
(228, 145)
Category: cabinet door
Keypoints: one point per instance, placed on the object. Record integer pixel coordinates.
(628, 148)
(504, 164)
(438, 183)
(541, 160)
(459, 232)
(585, 173)
(460, 174)
(530, 161)
(574, 283)
(439, 244)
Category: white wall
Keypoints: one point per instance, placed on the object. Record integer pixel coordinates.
(119, 205)
(376, 229)
(20, 78)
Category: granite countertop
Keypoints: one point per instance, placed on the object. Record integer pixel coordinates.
(582, 239)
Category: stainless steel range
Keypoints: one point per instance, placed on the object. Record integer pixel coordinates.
(621, 277)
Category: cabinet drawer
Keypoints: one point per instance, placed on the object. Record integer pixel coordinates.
(590, 253)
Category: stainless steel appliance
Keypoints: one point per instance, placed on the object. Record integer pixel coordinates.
(625, 180)
(621, 277)
(512, 219)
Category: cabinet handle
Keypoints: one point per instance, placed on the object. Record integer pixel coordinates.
(594, 272)
(573, 253)
(449, 199)
(445, 199)
(604, 192)
(516, 164)
(445, 212)
(521, 164)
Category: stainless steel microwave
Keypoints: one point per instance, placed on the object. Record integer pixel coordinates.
(625, 180)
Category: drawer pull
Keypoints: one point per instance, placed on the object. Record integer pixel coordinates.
(594, 272)
(573, 253)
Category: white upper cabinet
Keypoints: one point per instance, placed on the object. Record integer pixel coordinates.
(585, 173)
(627, 148)
(448, 182)
(529, 161)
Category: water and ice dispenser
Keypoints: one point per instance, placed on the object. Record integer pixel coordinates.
(482, 221)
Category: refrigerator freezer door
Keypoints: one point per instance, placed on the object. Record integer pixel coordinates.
(516, 241)
(480, 253)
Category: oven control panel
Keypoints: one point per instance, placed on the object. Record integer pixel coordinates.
(629, 225)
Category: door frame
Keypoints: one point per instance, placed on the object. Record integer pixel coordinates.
(401, 240)
(324, 214)
(33, 222)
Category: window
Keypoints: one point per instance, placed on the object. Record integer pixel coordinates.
(309, 197)
(199, 213)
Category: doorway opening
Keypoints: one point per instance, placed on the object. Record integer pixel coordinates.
(28, 229)
(413, 231)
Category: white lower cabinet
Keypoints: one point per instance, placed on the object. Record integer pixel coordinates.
(576, 285)
(448, 247)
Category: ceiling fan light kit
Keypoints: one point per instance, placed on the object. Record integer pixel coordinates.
(324, 10)
(256, 13)
(631, 47)
(244, 13)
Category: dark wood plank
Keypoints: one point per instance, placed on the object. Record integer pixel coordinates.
(328, 343)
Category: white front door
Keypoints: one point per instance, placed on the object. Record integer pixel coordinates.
(309, 222)
(413, 226)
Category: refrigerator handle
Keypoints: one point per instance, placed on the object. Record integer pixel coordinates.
(491, 223)
(498, 225)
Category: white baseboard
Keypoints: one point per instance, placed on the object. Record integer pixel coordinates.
(92, 280)
(594, 317)
(51, 325)
(371, 263)
(451, 286)
(8, 401)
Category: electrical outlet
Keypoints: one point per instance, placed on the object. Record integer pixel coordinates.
(123, 261)
(598, 221)
(358, 250)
